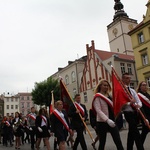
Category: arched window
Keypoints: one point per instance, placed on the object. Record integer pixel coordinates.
(67, 79)
(73, 76)
(74, 91)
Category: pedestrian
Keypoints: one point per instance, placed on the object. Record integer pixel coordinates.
(131, 115)
(17, 126)
(43, 129)
(103, 106)
(32, 128)
(78, 113)
(60, 124)
(145, 99)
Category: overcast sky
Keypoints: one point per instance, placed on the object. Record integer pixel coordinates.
(38, 36)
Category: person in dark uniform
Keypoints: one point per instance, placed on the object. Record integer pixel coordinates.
(17, 126)
(60, 125)
(131, 115)
(77, 122)
(32, 128)
(43, 129)
(145, 99)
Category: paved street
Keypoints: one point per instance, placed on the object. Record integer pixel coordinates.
(109, 144)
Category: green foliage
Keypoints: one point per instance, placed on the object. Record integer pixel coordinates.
(41, 94)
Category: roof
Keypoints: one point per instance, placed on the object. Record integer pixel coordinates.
(24, 94)
(106, 55)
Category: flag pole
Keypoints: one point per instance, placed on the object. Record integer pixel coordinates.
(52, 102)
(131, 98)
(79, 114)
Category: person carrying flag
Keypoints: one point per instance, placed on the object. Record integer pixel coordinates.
(60, 124)
(131, 116)
(77, 122)
(145, 99)
(102, 105)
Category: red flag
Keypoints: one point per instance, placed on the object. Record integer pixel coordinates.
(119, 96)
(65, 97)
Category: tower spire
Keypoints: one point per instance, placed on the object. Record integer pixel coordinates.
(119, 11)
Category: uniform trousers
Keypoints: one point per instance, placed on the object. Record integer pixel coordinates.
(133, 133)
(103, 128)
(80, 139)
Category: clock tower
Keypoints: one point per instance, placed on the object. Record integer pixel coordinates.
(119, 40)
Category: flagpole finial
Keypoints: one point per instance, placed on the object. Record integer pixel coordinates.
(52, 91)
(111, 66)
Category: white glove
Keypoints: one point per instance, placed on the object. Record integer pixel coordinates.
(40, 130)
(111, 123)
(146, 122)
(30, 129)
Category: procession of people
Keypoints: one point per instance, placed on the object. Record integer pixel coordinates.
(35, 128)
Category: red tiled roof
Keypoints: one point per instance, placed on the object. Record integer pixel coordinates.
(106, 55)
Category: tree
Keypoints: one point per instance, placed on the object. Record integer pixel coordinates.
(41, 94)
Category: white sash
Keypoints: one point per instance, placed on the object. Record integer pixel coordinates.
(144, 99)
(79, 107)
(61, 118)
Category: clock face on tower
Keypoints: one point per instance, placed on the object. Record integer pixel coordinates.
(130, 26)
(115, 31)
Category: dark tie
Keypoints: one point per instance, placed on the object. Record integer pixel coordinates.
(129, 89)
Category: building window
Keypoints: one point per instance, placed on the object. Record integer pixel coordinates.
(12, 114)
(12, 99)
(144, 59)
(73, 76)
(28, 98)
(7, 99)
(141, 37)
(7, 106)
(12, 106)
(7, 114)
(74, 92)
(22, 105)
(23, 112)
(129, 68)
(148, 82)
(85, 97)
(22, 98)
(16, 99)
(122, 65)
(67, 79)
(132, 85)
(28, 105)
(16, 106)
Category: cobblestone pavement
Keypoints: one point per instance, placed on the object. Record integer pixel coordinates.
(109, 143)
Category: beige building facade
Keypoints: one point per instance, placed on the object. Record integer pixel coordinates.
(71, 75)
(140, 36)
